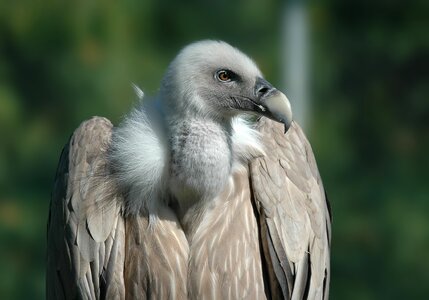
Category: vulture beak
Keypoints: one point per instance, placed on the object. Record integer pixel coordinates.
(272, 103)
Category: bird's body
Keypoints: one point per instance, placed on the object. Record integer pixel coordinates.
(188, 200)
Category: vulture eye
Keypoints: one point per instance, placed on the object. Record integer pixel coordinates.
(224, 75)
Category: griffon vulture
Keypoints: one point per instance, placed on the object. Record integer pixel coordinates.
(188, 198)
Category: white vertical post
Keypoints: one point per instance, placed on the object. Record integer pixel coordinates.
(295, 54)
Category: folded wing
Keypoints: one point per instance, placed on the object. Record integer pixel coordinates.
(86, 234)
(293, 213)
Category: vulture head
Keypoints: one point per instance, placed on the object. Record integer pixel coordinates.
(219, 81)
(197, 138)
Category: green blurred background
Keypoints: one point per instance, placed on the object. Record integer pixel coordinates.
(368, 64)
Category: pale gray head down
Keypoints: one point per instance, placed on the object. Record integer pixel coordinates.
(216, 80)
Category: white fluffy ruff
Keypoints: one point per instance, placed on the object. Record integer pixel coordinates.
(140, 157)
(246, 142)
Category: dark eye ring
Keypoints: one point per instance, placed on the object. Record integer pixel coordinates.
(224, 75)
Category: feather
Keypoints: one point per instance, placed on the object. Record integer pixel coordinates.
(139, 92)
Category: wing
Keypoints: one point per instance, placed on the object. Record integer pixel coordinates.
(86, 248)
(294, 214)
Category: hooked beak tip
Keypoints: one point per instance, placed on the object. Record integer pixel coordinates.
(278, 109)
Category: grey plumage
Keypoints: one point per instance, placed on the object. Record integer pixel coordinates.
(186, 199)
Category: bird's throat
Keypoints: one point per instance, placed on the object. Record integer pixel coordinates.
(200, 161)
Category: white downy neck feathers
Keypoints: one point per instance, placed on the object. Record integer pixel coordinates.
(140, 156)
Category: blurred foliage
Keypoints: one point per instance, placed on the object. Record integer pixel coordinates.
(62, 62)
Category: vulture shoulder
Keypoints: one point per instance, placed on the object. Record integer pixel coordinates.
(86, 248)
(294, 215)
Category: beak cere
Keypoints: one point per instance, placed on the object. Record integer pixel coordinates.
(276, 104)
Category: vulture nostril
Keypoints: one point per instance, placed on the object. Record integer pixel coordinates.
(262, 87)
(262, 91)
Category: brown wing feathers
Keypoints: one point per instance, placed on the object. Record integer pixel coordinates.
(288, 189)
(85, 237)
